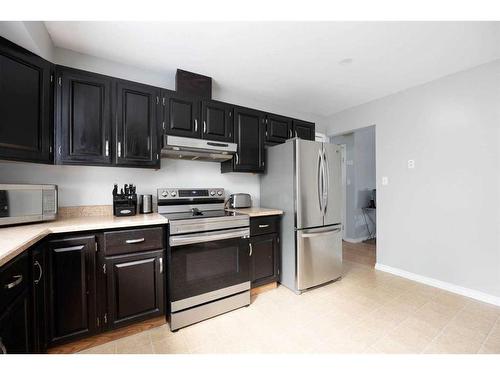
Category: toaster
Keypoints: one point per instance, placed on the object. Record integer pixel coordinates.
(240, 200)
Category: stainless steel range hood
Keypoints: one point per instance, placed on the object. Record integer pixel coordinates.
(196, 149)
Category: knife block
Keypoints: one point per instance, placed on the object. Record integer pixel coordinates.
(125, 205)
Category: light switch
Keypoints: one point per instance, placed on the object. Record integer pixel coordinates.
(411, 164)
(385, 180)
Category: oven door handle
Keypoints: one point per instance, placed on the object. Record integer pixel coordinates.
(209, 236)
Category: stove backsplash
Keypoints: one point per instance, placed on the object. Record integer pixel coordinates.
(80, 186)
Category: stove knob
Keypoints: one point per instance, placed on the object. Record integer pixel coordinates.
(164, 194)
(212, 193)
(173, 193)
(219, 193)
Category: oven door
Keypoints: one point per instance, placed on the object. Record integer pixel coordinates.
(207, 266)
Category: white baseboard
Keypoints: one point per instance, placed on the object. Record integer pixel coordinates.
(471, 293)
(355, 240)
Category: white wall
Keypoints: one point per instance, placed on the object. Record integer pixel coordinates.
(440, 220)
(93, 185)
(360, 181)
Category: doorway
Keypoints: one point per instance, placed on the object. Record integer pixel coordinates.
(359, 206)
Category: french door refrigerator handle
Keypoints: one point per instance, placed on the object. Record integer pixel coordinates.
(319, 234)
(320, 181)
(327, 180)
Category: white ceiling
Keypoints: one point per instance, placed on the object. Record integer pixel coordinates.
(295, 64)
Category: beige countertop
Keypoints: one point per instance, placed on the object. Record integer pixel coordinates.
(14, 240)
(257, 211)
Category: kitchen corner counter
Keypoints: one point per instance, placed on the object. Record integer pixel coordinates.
(257, 211)
(14, 240)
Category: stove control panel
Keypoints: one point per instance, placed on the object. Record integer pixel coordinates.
(167, 194)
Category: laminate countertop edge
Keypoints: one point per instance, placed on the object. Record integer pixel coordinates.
(16, 239)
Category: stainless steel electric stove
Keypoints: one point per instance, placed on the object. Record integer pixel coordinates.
(208, 253)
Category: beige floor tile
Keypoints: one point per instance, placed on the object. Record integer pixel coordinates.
(174, 344)
(108, 348)
(474, 321)
(455, 340)
(138, 343)
(367, 311)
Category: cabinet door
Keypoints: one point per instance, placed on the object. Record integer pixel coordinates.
(15, 333)
(249, 131)
(278, 129)
(83, 113)
(26, 124)
(217, 121)
(135, 287)
(38, 299)
(136, 125)
(71, 289)
(264, 259)
(304, 130)
(182, 116)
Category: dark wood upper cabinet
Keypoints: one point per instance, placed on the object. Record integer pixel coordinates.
(304, 130)
(137, 116)
(278, 129)
(83, 108)
(249, 129)
(26, 124)
(135, 287)
(181, 115)
(71, 300)
(217, 121)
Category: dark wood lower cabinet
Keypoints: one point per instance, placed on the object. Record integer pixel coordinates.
(266, 254)
(38, 285)
(15, 328)
(71, 288)
(135, 288)
(264, 259)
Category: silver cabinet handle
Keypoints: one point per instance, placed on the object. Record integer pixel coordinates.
(161, 265)
(263, 225)
(137, 240)
(107, 147)
(237, 158)
(18, 279)
(119, 149)
(290, 133)
(204, 126)
(251, 249)
(3, 349)
(40, 272)
(195, 125)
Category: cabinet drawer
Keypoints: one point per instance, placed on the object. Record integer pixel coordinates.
(264, 225)
(13, 279)
(133, 240)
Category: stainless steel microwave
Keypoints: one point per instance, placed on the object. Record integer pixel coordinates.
(23, 203)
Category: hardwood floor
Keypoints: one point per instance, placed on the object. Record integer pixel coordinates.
(362, 252)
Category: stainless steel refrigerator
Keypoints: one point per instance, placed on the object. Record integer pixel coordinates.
(303, 178)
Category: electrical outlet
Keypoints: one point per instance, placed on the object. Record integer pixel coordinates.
(385, 180)
(411, 164)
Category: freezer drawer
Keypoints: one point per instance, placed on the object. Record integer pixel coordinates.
(319, 256)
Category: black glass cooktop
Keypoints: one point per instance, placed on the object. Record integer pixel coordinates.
(197, 214)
